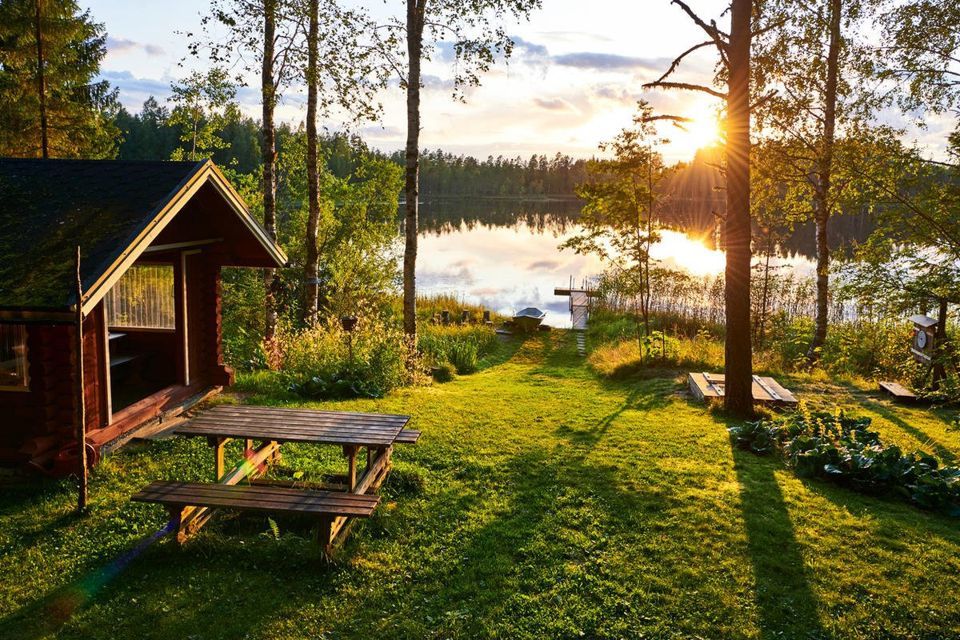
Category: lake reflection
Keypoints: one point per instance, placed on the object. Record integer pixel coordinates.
(505, 254)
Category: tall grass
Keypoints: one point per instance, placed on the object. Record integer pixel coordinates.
(866, 349)
(327, 362)
(463, 346)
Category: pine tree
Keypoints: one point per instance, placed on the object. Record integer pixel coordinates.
(50, 103)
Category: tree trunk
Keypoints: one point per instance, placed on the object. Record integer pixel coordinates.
(415, 9)
(738, 395)
(821, 194)
(269, 99)
(313, 176)
(41, 86)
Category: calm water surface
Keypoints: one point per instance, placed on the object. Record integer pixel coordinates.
(505, 255)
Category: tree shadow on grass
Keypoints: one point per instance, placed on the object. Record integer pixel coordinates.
(148, 591)
(785, 601)
(546, 513)
(639, 398)
(944, 453)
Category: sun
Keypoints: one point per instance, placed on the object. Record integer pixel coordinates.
(703, 130)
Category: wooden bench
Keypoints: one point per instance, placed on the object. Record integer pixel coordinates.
(407, 436)
(326, 505)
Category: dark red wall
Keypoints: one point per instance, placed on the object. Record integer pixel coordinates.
(46, 411)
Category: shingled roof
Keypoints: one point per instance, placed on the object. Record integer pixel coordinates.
(49, 207)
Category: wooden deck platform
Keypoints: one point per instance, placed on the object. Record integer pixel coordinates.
(899, 392)
(709, 386)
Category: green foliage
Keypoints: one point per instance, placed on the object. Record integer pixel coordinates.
(204, 105)
(443, 372)
(845, 450)
(79, 107)
(617, 352)
(319, 363)
(356, 235)
(618, 215)
(445, 174)
(464, 356)
(463, 346)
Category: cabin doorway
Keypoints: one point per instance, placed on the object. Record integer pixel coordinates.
(145, 333)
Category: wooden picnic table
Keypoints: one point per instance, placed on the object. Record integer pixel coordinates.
(272, 426)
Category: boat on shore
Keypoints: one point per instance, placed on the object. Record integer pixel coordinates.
(528, 319)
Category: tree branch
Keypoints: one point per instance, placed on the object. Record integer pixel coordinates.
(686, 87)
(676, 62)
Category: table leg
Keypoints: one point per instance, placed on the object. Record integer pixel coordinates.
(218, 463)
(352, 467)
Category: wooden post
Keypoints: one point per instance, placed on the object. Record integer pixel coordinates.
(218, 462)
(80, 412)
(351, 453)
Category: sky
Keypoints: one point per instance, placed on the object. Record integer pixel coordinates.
(573, 81)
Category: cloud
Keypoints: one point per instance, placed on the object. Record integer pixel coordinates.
(125, 45)
(436, 83)
(608, 61)
(544, 265)
(528, 49)
(553, 104)
(127, 82)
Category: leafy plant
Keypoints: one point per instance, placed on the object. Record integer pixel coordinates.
(464, 356)
(845, 450)
(444, 372)
(320, 362)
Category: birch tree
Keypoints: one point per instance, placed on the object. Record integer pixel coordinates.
(475, 31)
(817, 74)
(618, 216)
(256, 36)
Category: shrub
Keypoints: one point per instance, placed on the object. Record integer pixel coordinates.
(843, 449)
(444, 372)
(464, 356)
(317, 362)
(463, 346)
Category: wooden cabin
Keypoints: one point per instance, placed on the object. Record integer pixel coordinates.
(153, 237)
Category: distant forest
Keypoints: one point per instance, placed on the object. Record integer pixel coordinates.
(150, 135)
(692, 197)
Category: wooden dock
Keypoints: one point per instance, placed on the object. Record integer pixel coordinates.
(579, 311)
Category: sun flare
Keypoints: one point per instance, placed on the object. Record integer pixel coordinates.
(703, 130)
(681, 251)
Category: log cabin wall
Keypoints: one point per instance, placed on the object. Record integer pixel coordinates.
(204, 306)
(42, 418)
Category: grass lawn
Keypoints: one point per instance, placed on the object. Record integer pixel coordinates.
(541, 502)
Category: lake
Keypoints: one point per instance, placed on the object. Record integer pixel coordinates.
(505, 254)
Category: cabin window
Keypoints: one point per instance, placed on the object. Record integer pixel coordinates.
(143, 299)
(13, 357)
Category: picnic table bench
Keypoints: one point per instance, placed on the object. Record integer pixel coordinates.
(192, 504)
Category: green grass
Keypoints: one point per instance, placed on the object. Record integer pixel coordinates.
(541, 502)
